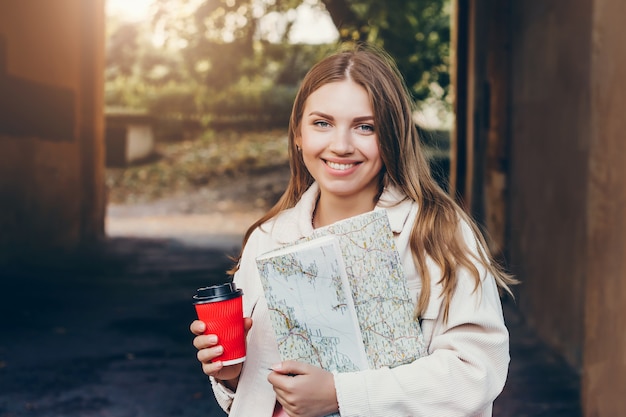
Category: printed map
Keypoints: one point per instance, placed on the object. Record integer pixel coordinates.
(307, 287)
(311, 307)
(383, 305)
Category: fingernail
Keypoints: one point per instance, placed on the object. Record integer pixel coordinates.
(276, 367)
(213, 339)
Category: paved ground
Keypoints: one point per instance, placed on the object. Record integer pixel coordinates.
(106, 334)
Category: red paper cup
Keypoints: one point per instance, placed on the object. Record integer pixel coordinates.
(220, 308)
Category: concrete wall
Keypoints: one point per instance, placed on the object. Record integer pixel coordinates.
(567, 219)
(550, 139)
(604, 377)
(51, 125)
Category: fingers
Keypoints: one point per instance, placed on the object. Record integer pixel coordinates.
(206, 357)
(247, 324)
(205, 341)
(209, 349)
(212, 368)
(310, 392)
(291, 368)
(208, 354)
(197, 327)
(282, 377)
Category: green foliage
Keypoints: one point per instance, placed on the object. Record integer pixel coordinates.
(252, 104)
(416, 33)
(264, 93)
(138, 72)
(425, 59)
(210, 61)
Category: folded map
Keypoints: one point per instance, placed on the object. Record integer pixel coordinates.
(338, 299)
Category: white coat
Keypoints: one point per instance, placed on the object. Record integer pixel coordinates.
(468, 356)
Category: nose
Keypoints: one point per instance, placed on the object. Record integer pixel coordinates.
(341, 143)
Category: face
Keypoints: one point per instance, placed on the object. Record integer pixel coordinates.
(339, 143)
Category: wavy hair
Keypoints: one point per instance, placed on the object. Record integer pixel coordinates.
(436, 232)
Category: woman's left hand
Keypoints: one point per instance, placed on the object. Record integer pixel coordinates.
(304, 390)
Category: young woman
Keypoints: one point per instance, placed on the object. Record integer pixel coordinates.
(354, 148)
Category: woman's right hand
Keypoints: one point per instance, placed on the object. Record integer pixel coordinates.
(209, 348)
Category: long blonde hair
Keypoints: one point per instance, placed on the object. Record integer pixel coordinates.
(436, 231)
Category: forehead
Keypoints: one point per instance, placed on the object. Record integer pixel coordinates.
(340, 96)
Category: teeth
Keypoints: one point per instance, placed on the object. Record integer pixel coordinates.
(341, 167)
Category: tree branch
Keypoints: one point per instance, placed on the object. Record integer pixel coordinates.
(344, 18)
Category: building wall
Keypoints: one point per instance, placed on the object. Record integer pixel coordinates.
(604, 371)
(51, 125)
(567, 215)
(550, 140)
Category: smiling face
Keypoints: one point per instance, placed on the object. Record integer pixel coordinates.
(340, 145)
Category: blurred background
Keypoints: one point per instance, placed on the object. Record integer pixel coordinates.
(139, 138)
(213, 84)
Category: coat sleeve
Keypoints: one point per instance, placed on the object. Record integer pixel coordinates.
(243, 279)
(255, 395)
(464, 372)
(223, 395)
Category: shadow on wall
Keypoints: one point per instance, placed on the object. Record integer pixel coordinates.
(29, 108)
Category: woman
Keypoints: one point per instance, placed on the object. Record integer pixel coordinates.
(354, 147)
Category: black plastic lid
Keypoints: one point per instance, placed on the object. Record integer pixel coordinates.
(222, 292)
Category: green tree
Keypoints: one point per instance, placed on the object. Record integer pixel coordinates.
(416, 33)
(136, 69)
(216, 59)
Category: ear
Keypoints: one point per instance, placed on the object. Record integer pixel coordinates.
(297, 141)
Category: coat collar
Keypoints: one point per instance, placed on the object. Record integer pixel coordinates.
(295, 223)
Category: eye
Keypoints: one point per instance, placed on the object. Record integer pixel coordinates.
(321, 123)
(366, 128)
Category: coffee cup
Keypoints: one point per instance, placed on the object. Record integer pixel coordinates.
(220, 308)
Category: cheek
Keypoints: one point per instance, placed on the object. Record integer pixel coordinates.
(311, 145)
(373, 151)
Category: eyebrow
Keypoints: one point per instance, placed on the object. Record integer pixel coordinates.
(329, 117)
